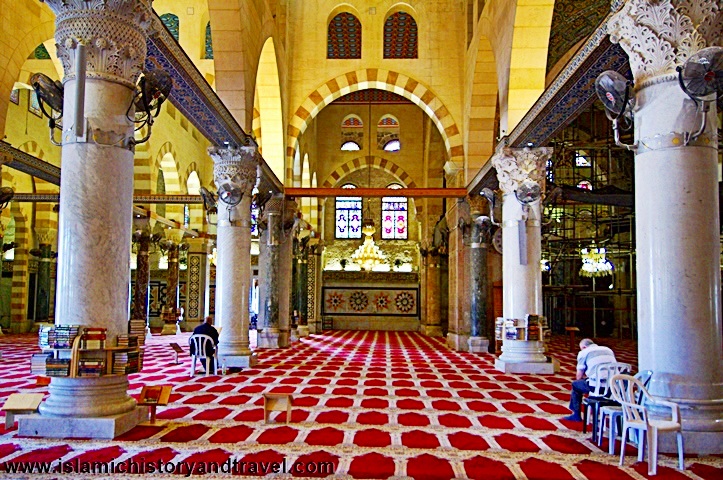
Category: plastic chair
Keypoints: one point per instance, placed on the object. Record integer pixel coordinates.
(615, 412)
(198, 344)
(627, 390)
(601, 393)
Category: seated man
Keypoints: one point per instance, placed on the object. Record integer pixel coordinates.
(590, 356)
(207, 328)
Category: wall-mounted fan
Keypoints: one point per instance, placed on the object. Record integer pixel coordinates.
(6, 194)
(615, 92)
(50, 96)
(492, 200)
(230, 194)
(701, 77)
(154, 88)
(209, 205)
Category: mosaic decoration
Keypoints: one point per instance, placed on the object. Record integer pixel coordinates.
(349, 301)
(34, 104)
(15, 96)
(394, 218)
(352, 122)
(40, 53)
(311, 288)
(172, 24)
(194, 287)
(344, 37)
(208, 48)
(400, 36)
(573, 20)
(157, 291)
(372, 95)
(388, 121)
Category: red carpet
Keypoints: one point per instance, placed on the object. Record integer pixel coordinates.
(373, 404)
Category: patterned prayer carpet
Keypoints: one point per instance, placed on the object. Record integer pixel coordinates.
(374, 404)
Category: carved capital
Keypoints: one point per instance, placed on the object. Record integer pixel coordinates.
(516, 165)
(476, 203)
(46, 236)
(236, 165)
(113, 32)
(659, 35)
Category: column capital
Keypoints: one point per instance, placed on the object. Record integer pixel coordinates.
(476, 203)
(113, 32)
(236, 165)
(516, 166)
(46, 236)
(659, 35)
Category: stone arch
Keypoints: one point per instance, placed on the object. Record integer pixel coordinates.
(19, 296)
(380, 79)
(482, 101)
(528, 59)
(166, 164)
(27, 26)
(271, 118)
(363, 162)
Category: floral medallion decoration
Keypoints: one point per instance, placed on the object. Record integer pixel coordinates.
(381, 301)
(335, 301)
(404, 302)
(358, 301)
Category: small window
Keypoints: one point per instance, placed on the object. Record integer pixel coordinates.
(348, 215)
(208, 44)
(394, 216)
(581, 160)
(350, 147)
(585, 185)
(392, 146)
(254, 214)
(352, 133)
(344, 37)
(172, 24)
(400, 36)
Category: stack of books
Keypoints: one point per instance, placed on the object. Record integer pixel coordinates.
(57, 367)
(91, 368)
(127, 341)
(37, 363)
(93, 338)
(125, 363)
(43, 336)
(61, 336)
(138, 328)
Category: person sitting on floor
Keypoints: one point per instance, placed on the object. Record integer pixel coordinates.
(207, 328)
(591, 355)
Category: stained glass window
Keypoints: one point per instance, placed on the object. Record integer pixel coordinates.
(254, 219)
(394, 216)
(392, 146)
(186, 216)
(350, 147)
(209, 43)
(400, 36)
(344, 37)
(171, 22)
(348, 216)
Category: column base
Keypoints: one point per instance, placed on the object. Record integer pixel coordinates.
(169, 329)
(268, 338)
(478, 345)
(107, 428)
(701, 443)
(303, 331)
(552, 365)
(149, 335)
(238, 361)
(314, 328)
(294, 335)
(458, 341)
(432, 330)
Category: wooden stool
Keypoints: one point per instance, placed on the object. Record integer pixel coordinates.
(19, 403)
(277, 402)
(571, 331)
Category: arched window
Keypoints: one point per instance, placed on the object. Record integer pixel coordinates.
(348, 215)
(392, 146)
(352, 133)
(172, 24)
(344, 37)
(585, 185)
(400, 36)
(388, 134)
(208, 44)
(254, 214)
(394, 216)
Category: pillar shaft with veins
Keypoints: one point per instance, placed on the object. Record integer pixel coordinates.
(237, 167)
(676, 216)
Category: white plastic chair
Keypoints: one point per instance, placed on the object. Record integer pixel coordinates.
(613, 412)
(600, 395)
(627, 390)
(198, 344)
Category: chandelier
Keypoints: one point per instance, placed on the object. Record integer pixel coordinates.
(368, 254)
(594, 262)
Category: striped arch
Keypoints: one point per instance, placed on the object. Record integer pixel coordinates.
(366, 161)
(167, 164)
(19, 294)
(383, 80)
(480, 124)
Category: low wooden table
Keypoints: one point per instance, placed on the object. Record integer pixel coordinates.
(277, 402)
(571, 331)
(20, 403)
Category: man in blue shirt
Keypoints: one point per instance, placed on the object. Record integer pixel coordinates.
(590, 356)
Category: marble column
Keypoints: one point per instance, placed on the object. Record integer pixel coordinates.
(237, 167)
(480, 238)
(46, 240)
(269, 278)
(521, 235)
(302, 278)
(142, 239)
(313, 285)
(96, 203)
(288, 334)
(172, 310)
(676, 216)
(433, 324)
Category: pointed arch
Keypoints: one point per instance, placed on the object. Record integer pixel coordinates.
(306, 183)
(381, 79)
(271, 118)
(296, 178)
(364, 162)
(167, 169)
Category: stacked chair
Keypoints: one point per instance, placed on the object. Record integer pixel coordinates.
(614, 413)
(600, 396)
